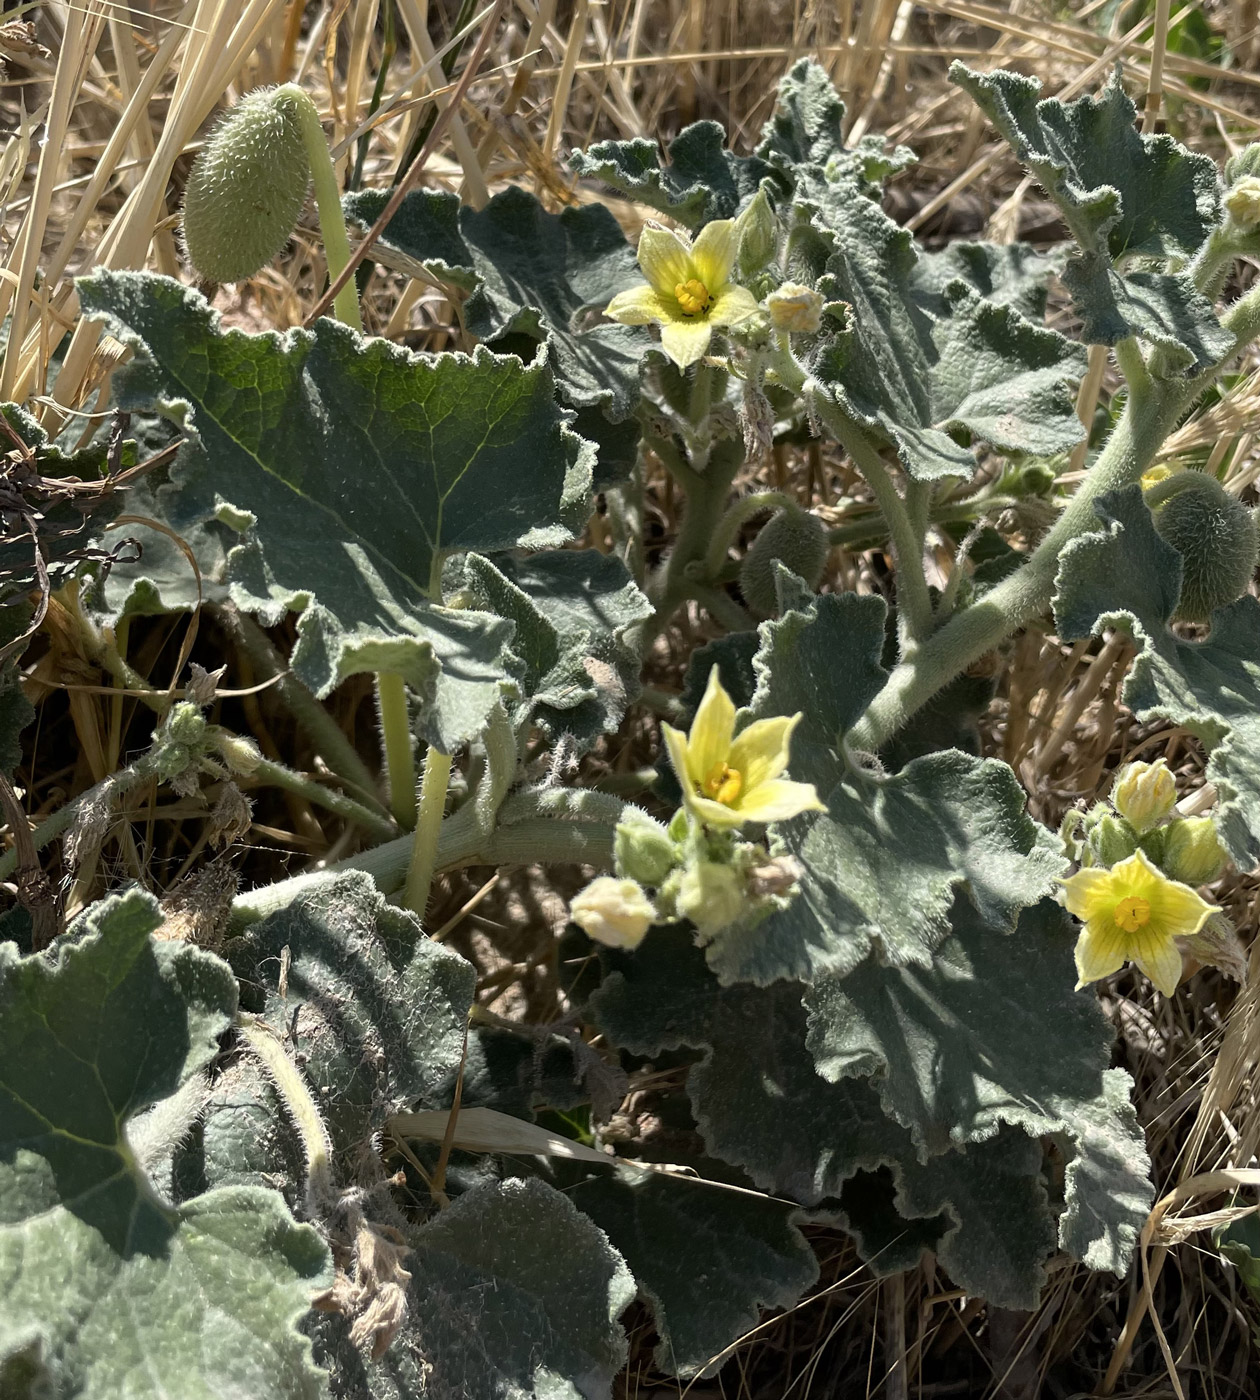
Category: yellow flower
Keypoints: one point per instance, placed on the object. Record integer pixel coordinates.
(1144, 794)
(1132, 913)
(727, 781)
(689, 289)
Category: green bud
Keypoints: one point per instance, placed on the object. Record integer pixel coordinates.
(1144, 794)
(758, 232)
(712, 896)
(1193, 853)
(1242, 203)
(616, 913)
(171, 760)
(642, 849)
(1246, 162)
(799, 541)
(240, 754)
(185, 724)
(247, 188)
(1110, 840)
(796, 308)
(1216, 536)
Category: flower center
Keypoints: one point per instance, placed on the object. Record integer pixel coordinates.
(723, 784)
(1133, 913)
(693, 297)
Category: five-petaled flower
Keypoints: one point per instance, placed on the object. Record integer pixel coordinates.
(1133, 913)
(728, 780)
(689, 289)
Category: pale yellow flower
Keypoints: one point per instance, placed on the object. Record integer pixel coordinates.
(1144, 794)
(689, 289)
(728, 780)
(1133, 913)
(616, 913)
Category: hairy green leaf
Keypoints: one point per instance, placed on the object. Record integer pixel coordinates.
(884, 861)
(1006, 274)
(514, 1294)
(321, 436)
(1124, 195)
(1127, 576)
(91, 1258)
(708, 1259)
(526, 271)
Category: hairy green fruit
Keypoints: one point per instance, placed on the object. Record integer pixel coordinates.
(795, 538)
(1214, 533)
(247, 188)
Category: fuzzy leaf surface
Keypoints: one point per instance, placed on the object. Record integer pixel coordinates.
(1123, 195)
(963, 1046)
(360, 465)
(885, 860)
(526, 271)
(1127, 576)
(90, 1256)
(761, 1105)
(514, 1294)
(1006, 274)
(707, 1259)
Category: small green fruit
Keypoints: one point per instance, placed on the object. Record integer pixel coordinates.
(799, 541)
(1214, 533)
(247, 188)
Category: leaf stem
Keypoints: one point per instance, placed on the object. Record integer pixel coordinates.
(277, 775)
(437, 776)
(332, 222)
(400, 763)
(732, 522)
(321, 1190)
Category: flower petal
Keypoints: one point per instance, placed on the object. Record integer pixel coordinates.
(760, 752)
(1177, 911)
(713, 254)
(637, 307)
(732, 306)
(715, 813)
(1090, 894)
(1100, 950)
(778, 800)
(709, 743)
(1161, 961)
(676, 743)
(685, 342)
(665, 257)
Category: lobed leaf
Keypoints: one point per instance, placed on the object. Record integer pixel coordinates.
(315, 437)
(90, 1256)
(1127, 576)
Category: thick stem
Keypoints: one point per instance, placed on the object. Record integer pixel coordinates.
(437, 777)
(321, 1189)
(332, 222)
(400, 763)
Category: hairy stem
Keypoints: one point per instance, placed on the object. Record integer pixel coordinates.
(733, 521)
(277, 775)
(400, 763)
(332, 222)
(115, 786)
(424, 848)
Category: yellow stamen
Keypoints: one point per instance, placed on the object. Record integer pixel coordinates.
(1133, 913)
(693, 297)
(724, 784)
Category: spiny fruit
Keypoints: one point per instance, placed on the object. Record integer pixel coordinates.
(1216, 536)
(798, 540)
(247, 187)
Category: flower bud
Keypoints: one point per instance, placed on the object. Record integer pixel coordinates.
(1193, 853)
(616, 913)
(185, 724)
(1242, 203)
(795, 308)
(247, 187)
(240, 754)
(1109, 840)
(758, 232)
(712, 896)
(1246, 162)
(642, 848)
(1144, 794)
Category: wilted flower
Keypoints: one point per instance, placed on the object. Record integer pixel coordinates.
(1144, 794)
(689, 289)
(729, 780)
(712, 896)
(614, 912)
(1133, 913)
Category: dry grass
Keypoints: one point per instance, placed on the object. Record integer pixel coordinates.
(104, 109)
